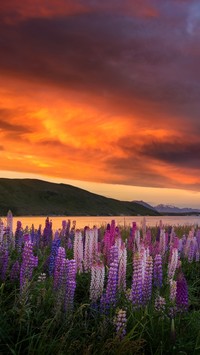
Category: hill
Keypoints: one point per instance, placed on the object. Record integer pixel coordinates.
(25, 197)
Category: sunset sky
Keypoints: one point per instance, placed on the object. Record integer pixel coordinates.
(103, 95)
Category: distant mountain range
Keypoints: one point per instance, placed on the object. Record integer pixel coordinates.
(25, 197)
(169, 209)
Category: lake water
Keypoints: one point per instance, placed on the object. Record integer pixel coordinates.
(98, 221)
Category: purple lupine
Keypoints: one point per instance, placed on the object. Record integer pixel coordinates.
(131, 238)
(57, 266)
(1, 231)
(78, 250)
(111, 288)
(4, 257)
(29, 262)
(136, 289)
(147, 285)
(181, 293)
(157, 271)
(15, 270)
(47, 232)
(54, 250)
(18, 236)
(120, 322)
(97, 281)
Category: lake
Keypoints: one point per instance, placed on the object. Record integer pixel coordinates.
(98, 221)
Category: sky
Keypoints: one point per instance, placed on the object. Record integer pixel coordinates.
(103, 95)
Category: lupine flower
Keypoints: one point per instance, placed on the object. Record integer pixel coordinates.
(111, 288)
(3, 263)
(57, 266)
(88, 249)
(47, 232)
(1, 230)
(160, 304)
(120, 322)
(54, 250)
(136, 290)
(173, 289)
(70, 285)
(173, 263)
(182, 293)
(29, 262)
(147, 285)
(18, 236)
(157, 271)
(42, 277)
(14, 273)
(122, 269)
(78, 250)
(97, 281)
(191, 251)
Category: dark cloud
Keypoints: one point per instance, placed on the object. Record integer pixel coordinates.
(179, 153)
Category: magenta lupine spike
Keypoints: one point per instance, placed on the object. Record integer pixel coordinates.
(78, 250)
(136, 289)
(112, 232)
(147, 285)
(173, 263)
(157, 271)
(97, 281)
(181, 293)
(122, 269)
(61, 254)
(29, 262)
(111, 288)
(120, 322)
(107, 243)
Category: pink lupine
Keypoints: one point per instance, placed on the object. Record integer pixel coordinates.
(97, 281)
(78, 250)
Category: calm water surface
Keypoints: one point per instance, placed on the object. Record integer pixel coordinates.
(89, 221)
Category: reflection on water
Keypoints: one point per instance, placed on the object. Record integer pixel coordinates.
(90, 221)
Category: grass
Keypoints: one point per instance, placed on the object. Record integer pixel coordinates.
(31, 322)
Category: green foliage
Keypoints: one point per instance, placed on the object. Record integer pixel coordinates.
(31, 324)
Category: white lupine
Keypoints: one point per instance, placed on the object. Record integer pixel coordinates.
(95, 242)
(78, 249)
(172, 284)
(97, 281)
(89, 249)
(173, 264)
(162, 242)
(122, 268)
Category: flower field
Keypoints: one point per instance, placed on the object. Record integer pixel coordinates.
(109, 290)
